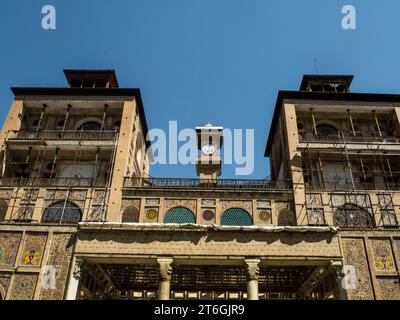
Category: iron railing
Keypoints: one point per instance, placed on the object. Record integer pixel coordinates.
(347, 139)
(361, 186)
(201, 183)
(51, 182)
(63, 135)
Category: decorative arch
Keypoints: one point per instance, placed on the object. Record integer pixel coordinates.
(352, 216)
(179, 215)
(236, 217)
(62, 212)
(327, 130)
(91, 120)
(130, 214)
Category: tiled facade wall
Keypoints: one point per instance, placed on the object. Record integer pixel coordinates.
(263, 211)
(34, 262)
(376, 261)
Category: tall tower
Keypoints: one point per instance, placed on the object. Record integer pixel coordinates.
(84, 139)
(209, 142)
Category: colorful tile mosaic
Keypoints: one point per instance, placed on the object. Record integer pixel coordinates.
(383, 256)
(397, 251)
(24, 286)
(390, 288)
(354, 254)
(151, 214)
(264, 215)
(9, 243)
(32, 253)
(53, 284)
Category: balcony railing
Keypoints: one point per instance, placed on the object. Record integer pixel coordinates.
(347, 139)
(51, 182)
(63, 135)
(363, 186)
(205, 184)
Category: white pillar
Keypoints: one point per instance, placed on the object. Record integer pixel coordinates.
(165, 265)
(74, 277)
(338, 267)
(252, 272)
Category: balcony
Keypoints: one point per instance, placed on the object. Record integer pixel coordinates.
(51, 182)
(353, 144)
(168, 183)
(62, 135)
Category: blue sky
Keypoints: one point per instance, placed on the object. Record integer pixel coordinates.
(197, 61)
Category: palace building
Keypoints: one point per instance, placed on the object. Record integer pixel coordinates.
(80, 217)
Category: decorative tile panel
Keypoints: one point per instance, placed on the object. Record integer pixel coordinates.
(55, 277)
(390, 288)
(24, 286)
(383, 256)
(151, 214)
(187, 203)
(354, 254)
(207, 216)
(226, 204)
(263, 203)
(397, 250)
(32, 253)
(9, 243)
(153, 201)
(208, 202)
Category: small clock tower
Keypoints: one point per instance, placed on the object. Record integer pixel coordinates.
(209, 142)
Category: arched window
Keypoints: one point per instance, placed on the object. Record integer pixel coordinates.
(352, 216)
(62, 212)
(179, 215)
(236, 217)
(130, 214)
(326, 130)
(90, 126)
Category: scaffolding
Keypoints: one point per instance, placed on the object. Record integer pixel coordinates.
(26, 176)
(356, 182)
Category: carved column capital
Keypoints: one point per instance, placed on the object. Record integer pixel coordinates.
(165, 268)
(252, 268)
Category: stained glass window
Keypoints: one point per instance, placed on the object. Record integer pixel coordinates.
(179, 215)
(62, 212)
(352, 216)
(90, 126)
(236, 217)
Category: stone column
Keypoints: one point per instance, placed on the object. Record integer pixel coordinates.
(165, 265)
(252, 272)
(74, 277)
(338, 267)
